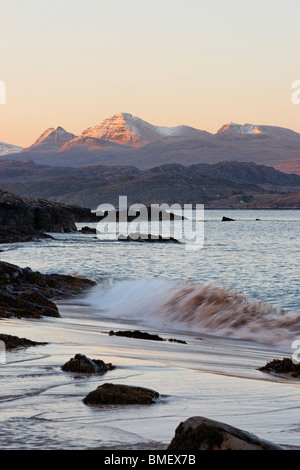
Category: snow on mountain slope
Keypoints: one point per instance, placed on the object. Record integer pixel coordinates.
(236, 129)
(125, 129)
(275, 132)
(6, 149)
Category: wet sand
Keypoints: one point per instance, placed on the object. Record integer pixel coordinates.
(41, 406)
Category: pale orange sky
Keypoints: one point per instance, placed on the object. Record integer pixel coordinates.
(169, 62)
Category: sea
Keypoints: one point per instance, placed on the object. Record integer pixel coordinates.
(232, 300)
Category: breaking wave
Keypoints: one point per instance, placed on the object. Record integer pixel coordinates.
(198, 308)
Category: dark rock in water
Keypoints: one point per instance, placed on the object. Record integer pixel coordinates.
(174, 340)
(23, 219)
(115, 394)
(13, 342)
(88, 230)
(81, 363)
(198, 433)
(136, 334)
(30, 294)
(282, 366)
(227, 219)
(150, 238)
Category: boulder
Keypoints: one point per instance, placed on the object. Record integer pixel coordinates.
(199, 433)
(115, 394)
(282, 366)
(81, 363)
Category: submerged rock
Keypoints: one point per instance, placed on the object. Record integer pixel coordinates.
(198, 433)
(136, 334)
(143, 335)
(227, 219)
(87, 229)
(282, 366)
(174, 340)
(147, 238)
(81, 363)
(31, 294)
(14, 342)
(115, 394)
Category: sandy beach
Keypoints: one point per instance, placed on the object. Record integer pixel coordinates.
(209, 376)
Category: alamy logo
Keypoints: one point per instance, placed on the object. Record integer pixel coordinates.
(2, 353)
(160, 222)
(296, 94)
(2, 92)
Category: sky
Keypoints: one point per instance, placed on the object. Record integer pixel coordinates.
(201, 63)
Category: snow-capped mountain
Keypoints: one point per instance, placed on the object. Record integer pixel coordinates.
(6, 149)
(125, 129)
(124, 139)
(51, 140)
(274, 132)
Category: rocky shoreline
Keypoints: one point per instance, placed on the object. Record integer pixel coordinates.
(23, 219)
(30, 294)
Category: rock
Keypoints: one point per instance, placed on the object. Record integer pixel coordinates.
(198, 433)
(174, 340)
(81, 363)
(227, 219)
(87, 230)
(136, 334)
(282, 366)
(139, 237)
(23, 219)
(31, 294)
(115, 394)
(143, 335)
(13, 342)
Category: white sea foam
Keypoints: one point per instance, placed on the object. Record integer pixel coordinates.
(197, 307)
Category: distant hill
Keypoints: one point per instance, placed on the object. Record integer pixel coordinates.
(128, 140)
(227, 183)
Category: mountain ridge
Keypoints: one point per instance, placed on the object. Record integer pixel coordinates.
(124, 139)
(200, 183)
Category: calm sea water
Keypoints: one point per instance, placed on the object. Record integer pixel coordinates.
(258, 257)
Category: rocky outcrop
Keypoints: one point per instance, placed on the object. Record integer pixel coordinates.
(198, 433)
(23, 219)
(115, 394)
(14, 342)
(31, 294)
(282, 366)
(82, 364)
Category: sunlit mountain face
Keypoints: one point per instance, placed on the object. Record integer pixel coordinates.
(124, 139)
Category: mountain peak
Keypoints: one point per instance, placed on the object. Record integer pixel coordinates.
(126, 129)
(51, 139)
